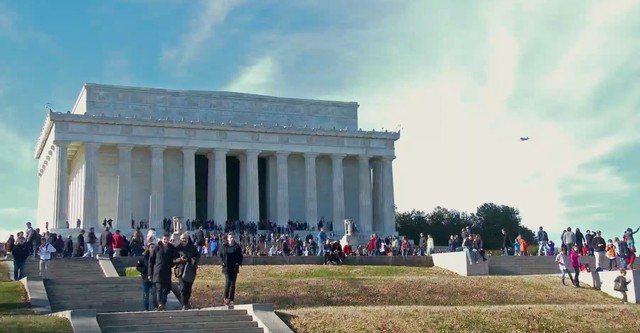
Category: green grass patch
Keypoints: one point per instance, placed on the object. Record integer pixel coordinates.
(131, 271)
(12, 298)
(15, 315)
(34, 324)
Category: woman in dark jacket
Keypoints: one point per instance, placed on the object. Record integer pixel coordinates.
(231, 256)
(160, 263)
(187, 253)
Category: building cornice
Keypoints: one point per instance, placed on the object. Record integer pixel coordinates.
(221, 94)
(53, 117)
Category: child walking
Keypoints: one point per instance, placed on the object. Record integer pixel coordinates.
(561, 259)
(620, 284)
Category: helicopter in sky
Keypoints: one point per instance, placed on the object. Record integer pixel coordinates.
(524, 138)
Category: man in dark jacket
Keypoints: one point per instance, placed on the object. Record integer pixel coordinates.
(78, 248)
(187, 254)
(106, 242)
(160, 263)
(67, 250)
(506, 243)
(147, 285)
(20, 255)
(231, 256)
(91, 243)
(199, 240)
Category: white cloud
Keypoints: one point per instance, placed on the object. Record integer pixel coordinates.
(202, 29)
(464, 94)
(258, 78)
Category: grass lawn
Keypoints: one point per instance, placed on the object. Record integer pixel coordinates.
(15, 315)
(314, 298)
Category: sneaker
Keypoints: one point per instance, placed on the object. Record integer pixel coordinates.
(231, 303)
(161, 307)
(225, 301)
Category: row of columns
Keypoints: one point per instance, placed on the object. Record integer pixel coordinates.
(380, 190)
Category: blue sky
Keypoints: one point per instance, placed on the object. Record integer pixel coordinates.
(463, 79)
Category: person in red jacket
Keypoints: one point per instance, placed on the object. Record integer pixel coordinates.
(346, 249)
(118, 244)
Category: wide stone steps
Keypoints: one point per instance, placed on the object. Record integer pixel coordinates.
(102, 294)
(221, 321)
(528, 265)
(65, 268)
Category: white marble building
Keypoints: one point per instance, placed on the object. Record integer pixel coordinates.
(145, 154)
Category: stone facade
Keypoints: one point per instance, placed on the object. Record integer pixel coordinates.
(127, 152)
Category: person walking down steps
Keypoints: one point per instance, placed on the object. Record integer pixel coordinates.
(46, 249)
(160, 263)
(185, 267)
(231, 256)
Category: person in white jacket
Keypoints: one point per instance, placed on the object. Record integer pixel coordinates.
(430, 246)
(46, 249)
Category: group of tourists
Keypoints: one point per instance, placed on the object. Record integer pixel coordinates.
(162, 259)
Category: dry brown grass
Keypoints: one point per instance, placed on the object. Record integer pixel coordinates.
(512, 318)
(291, 287)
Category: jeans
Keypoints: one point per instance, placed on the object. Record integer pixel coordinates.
(599, 258)
(162, 291)
(624, 296)
(612, 261)
(543, 246)
(149, 291)
(505, 251)
(576, 281)
(90, 251)
(44, 268)
(18, 267)
(185, 292)
(230, 284)
(566, 271)
(623, 262)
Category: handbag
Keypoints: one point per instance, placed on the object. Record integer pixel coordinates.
(189, 273)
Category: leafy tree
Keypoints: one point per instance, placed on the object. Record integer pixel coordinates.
(488, 220)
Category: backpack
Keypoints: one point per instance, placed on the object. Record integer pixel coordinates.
(545, 236)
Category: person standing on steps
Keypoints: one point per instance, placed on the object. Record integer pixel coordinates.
(160, 263)
(231, 256)
(142, 266)
(45, 251)
(185, 267)
(20, 254)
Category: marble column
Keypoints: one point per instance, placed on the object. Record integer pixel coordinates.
(123, 219)
(378, 216)
(282, 161)
(338, 189)
(252, 187)
(242, 188)
(156, 212)
(211, 190)
(311, 188)
(366, 221)
(62, 186)
(90, 190)
(388, 200)
(220, 211)
(189, 183)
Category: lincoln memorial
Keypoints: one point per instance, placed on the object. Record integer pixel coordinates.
(130, 153)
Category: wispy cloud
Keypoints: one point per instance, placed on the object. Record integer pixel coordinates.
(201, 31)
(259, 78)
(465, 93)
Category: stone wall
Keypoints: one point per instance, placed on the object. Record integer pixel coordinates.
(222, 107)
(123, 262)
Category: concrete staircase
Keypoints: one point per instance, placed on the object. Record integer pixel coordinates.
(200, 321)
(79, 283)
(100, 293)
(528, 265)
(66, 268)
